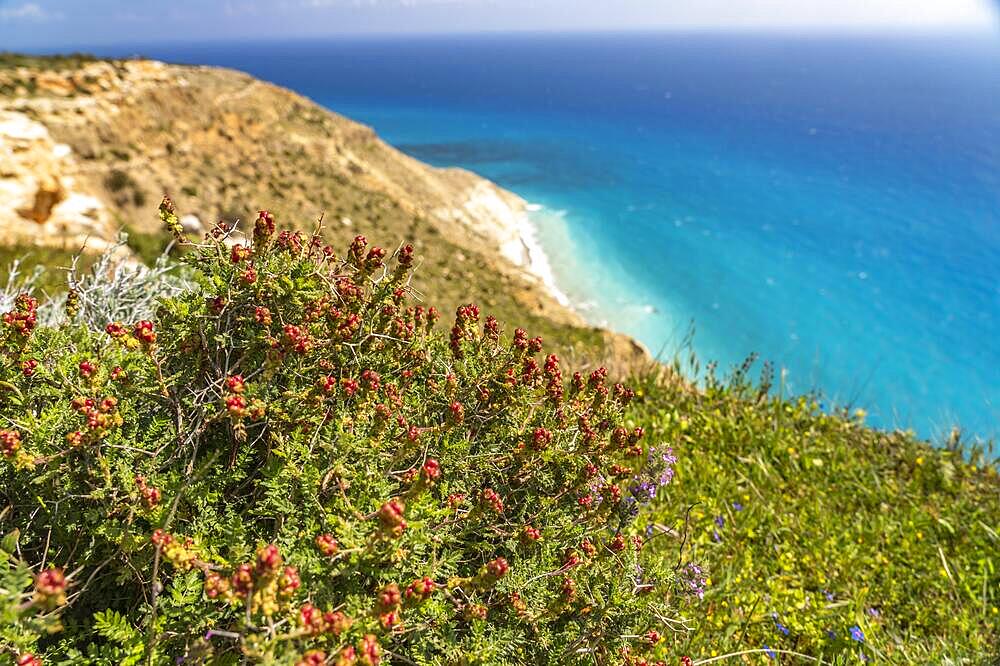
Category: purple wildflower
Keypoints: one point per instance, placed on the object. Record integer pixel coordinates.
(658, 472)
(737, 506)
(857, 634)
(769, 652)
(720, 521)
(692, 580)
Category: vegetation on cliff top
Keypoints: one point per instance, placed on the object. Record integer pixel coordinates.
(786, 530)
(288, 464)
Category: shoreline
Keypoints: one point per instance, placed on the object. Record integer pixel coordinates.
(504, 218)
(537, 260)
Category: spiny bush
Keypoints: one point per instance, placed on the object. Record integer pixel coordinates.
(288, 465)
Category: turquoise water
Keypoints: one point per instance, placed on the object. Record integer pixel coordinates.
(832, 204)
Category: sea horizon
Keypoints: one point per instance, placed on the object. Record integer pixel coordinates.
(762, 195)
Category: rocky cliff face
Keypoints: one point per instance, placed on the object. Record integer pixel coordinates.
(88, 147)
(41, 197)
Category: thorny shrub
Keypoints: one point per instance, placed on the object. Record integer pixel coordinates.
(288, 465)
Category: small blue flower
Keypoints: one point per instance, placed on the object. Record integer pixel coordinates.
(857, 634)
(716, 537)
(720, 521)
(737, 506)
(831, 634)
(874, 612)
(828, 594)
(769, 652)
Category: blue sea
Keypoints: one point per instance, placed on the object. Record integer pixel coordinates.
(830, 203)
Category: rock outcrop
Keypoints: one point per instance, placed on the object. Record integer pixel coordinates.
(42, 200)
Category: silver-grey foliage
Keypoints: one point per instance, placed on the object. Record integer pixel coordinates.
(115, 288)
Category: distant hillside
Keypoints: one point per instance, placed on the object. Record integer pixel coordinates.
(89, 146)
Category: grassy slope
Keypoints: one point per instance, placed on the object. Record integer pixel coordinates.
(904, 537)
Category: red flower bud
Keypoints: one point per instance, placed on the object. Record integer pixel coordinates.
(421, 588)
(235, 383)
(50, 588)
(391, 517)
(237, 406)
(144, 332)
(347, 657)
(263, 228)
(492, 499)
(457, 412)
(262, 315)
(541, 438)
(268, 560)
(389, 597)
(28, 367)
(239, 253)
(371, 652)
(312, 658)
(497, 568)
(116, 329)
(10, 442)
(431, 469)
(327, 545)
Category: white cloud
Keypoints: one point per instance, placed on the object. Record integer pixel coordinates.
(707, 14)
(828, 13)
(29, 11)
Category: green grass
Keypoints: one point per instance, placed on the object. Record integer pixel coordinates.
(903, 536)
(54, 260)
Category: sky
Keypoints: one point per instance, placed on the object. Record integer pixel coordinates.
(55, 24)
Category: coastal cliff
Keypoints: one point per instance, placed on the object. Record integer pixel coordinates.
(89, 146)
